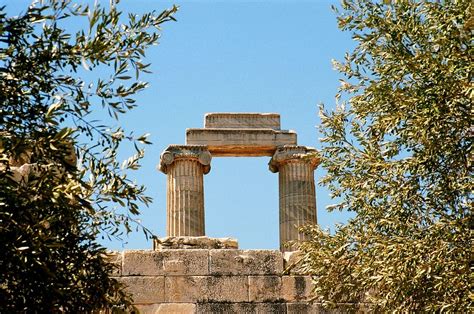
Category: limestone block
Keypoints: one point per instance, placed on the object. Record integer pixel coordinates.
(296, 288)
(237, 308)
(166, 262)
(245, 262)
(188, 242)
(185, 262)
(164, 308)
(145, 289)
(242, 120)
(142, 263)
(291, 263)
(264, 288)
(206, 288)
(240, 142)
(115, 258)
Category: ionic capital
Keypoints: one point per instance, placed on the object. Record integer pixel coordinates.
(186, 152)
(293, 153)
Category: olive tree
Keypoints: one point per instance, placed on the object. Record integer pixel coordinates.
(398, 153)
(62, 93)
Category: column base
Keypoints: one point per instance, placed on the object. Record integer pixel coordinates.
(188, 242)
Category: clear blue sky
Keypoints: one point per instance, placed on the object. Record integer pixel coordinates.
(235, 56)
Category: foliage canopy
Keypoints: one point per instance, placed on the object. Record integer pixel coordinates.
(398, 152)
(60, 177)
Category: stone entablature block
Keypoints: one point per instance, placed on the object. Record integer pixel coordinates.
(240, 142)
(242, 120)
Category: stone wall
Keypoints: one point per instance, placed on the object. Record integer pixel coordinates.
(214, 281)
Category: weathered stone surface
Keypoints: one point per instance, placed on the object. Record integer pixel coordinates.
(169, 262)
(245, 262)
(206, 288)
(142, 263)
(296, 165)
(296, 288)
(264, 288)
(145, 289)
(164, 308)
(291, 263)
(194, 243)
(240, 142)
(242, 120)
(115, 258)
(174, 153)
(231, 286)
(287, 153)
(185, 166)
(185, 262)
(237, 308)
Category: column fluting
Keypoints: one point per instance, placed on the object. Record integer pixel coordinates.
(185, 166)
(295, 165)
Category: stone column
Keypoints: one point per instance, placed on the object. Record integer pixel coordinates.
(185, 166)
(296, 165)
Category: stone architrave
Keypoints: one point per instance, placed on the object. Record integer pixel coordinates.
(185, 166)
(241, 134)
(295, 165)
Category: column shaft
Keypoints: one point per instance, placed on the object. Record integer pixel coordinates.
(185, 199)
(296, 165)
(185, 166)
(297, 200)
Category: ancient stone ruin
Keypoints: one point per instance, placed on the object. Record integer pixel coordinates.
(187, 272)
(239, 135)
